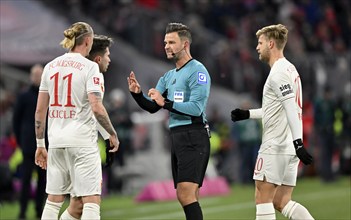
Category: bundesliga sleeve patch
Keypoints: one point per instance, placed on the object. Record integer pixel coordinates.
(96, 80)
(201, 78)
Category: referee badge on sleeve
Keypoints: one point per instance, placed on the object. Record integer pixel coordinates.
(201, 78)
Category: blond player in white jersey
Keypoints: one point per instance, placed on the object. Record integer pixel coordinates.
(100, 54)
(281, 113)
(70, 96)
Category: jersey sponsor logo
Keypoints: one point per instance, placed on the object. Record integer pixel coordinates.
(201, 78)
(286, 89)
(96, 80)
(178, 96)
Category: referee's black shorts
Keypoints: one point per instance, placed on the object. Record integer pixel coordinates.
(190, 153)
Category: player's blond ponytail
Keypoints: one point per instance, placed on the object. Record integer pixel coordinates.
(74, 35)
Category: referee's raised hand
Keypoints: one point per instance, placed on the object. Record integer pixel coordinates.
(133, 83)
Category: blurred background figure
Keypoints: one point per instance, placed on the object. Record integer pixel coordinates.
(23, 126)
(324, 111)
(247, 134)
(223, 150)
(120, 119)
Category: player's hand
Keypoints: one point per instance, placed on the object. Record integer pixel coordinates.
(109, 155)
(114, 143)
(302, 153)
(155, 95)
(133, 83)
(41, 156)
(239, 114)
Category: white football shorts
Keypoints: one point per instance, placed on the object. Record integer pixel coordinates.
(75, 171)
(277, 169)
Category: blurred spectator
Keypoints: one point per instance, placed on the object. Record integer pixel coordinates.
(248, 138)
(224, 30)
(345, 148)
(120, 118)
(7, 149)
(23, 126)
(6, 102)
(324, 110)
(224, 149)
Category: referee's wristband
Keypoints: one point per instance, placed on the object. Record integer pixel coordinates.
(41, 142)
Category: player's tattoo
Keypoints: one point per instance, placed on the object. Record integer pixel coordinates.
(105, 123)
(98, 96)
(103, 118)
(39, 128)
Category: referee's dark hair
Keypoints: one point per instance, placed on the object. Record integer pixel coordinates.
(182, 30)
(101, 42)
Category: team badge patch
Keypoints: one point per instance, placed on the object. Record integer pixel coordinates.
(201, 78)
(96, 80)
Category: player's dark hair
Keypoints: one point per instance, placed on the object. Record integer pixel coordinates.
(182, 30)
(100, 43)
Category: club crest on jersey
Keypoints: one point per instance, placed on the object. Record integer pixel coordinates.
(96, 80)
(201, 78)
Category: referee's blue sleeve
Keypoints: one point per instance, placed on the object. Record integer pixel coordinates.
(199, 93)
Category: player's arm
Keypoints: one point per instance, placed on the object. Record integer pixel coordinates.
(40, 114)
(95, 100)
(296, 130)
(40, 123)
(286, 95)
(243, 114)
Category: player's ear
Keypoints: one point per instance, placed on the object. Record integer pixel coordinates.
(186, 44)
(97, 59)
(271, 44)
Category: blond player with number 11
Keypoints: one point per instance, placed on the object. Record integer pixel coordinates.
(71, 93)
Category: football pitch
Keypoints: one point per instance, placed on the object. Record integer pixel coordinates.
(330, 201)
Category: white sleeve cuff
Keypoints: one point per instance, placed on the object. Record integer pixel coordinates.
(256, 113)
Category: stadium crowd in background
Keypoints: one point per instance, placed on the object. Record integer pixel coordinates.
(224, 30)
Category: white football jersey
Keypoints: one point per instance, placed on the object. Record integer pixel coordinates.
(68, 79)
(283, 82)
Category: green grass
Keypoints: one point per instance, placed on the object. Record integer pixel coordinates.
(324, 201)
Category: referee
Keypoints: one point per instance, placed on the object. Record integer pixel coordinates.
(184, 92)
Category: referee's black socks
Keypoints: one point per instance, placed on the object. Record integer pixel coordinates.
(193, 211)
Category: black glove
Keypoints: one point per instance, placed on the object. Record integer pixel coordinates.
(302, 153)
(109, 156)
(239, 114)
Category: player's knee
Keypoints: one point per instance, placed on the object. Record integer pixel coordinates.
(185, 197)
(278, 205)
(76, 211)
